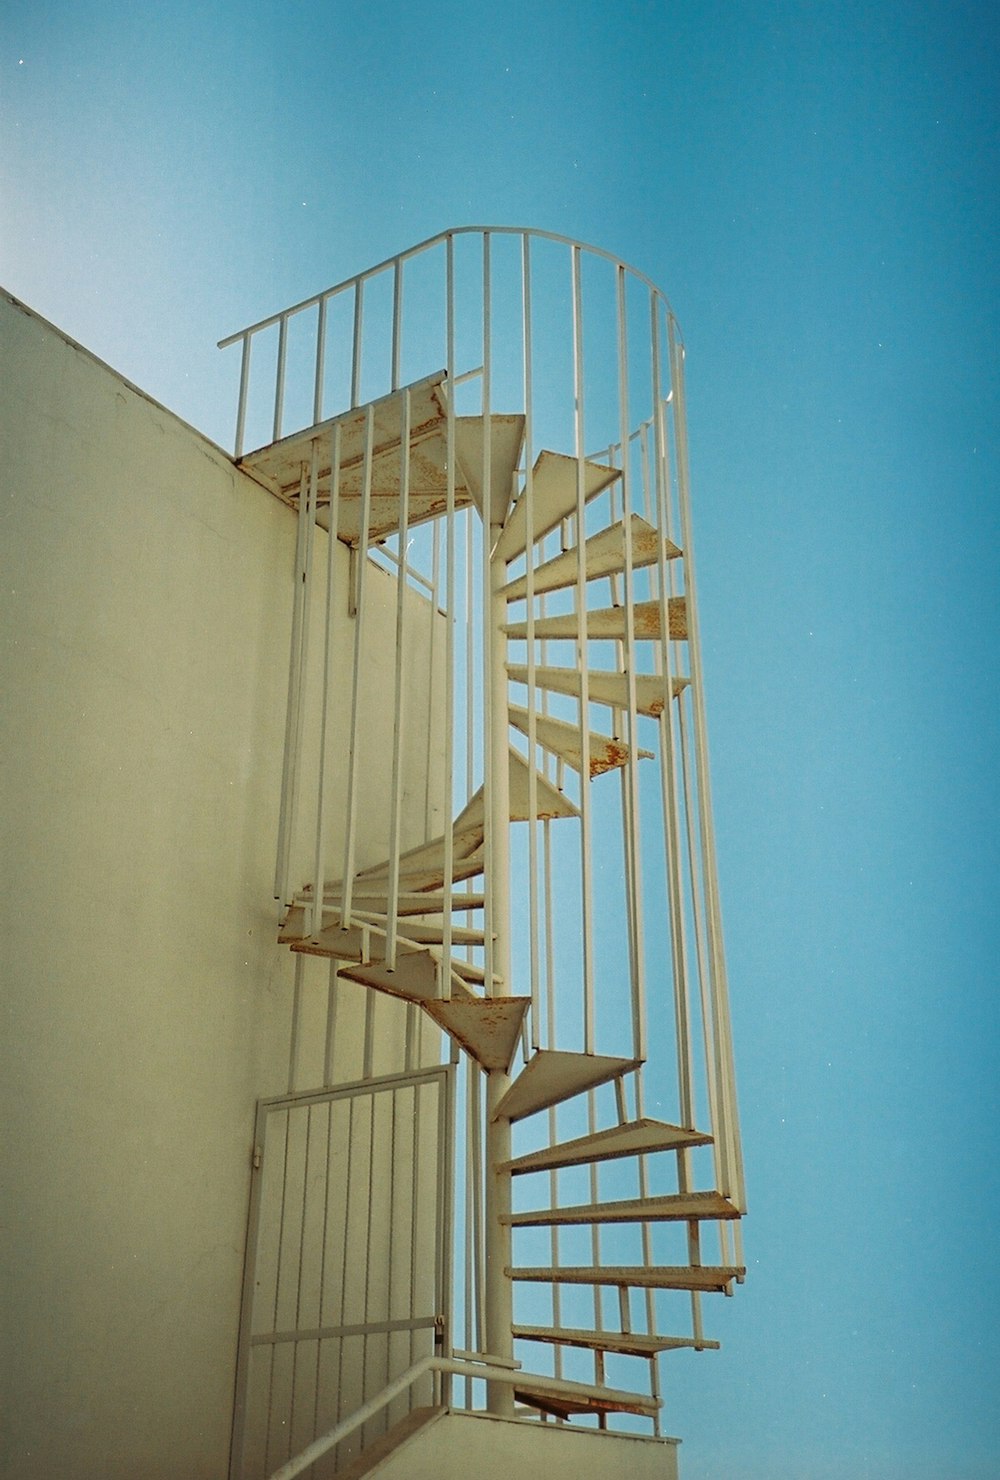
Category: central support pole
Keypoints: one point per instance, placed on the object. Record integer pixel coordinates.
(499, 1300)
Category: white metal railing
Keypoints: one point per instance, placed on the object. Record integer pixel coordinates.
(484, 1369)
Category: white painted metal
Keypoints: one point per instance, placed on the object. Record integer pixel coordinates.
(493, 1371)
(604, 556)
(492, 441)
(319, 1331)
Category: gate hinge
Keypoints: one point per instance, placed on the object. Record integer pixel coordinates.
(256, 1158)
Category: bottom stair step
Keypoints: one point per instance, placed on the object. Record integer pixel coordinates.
(636, 1276)
(566, 1398)
(626, 1343)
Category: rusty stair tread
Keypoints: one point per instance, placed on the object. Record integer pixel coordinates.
(632, 1138)
(637, 1276)
(488, 1028)
(554, 482)
(603, 686)
(610, 622)
(604, 555)
(625, 1343)
(552, 1075)
(673, 1207)
(604, 752)
(581, 1397)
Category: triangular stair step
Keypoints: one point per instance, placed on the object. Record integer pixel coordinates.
(416, 978)
(553, 499)
(563, 740)
(280, 463)
(550, 801)
(552, 1076)
(634, 1138)
(604, 556)
(366, 940)
(488, 1028)
(580, 1397)
(427, 862)
(624, 1343)
(636, 1276)
(372, 902)
(610, 622)
(673, 1208)
(422, 870)
(506, 441)
(603, 688)
(469, 971)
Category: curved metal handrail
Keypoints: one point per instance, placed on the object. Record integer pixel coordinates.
(433, 241)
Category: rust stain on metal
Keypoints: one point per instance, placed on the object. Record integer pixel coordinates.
(615, 754)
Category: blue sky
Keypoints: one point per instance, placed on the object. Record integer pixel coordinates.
(815, 187)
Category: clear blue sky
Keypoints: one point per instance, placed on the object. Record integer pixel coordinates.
(815, 187)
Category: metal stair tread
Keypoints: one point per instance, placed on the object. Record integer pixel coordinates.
(371, 902)
(553, 498)
(506, 441)
(638, 1276)
(581, 1397)
(610, 622)
(488, 1028)
(633, 1138)
(365, 941)
(605, 753)
(553, 1075)
(604, 555)
(624, 1343)
(604, 687)
(281, 462)
(416, 978)
(672, 1207)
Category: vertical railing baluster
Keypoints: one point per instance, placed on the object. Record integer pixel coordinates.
(320, 372)
(241, 409)
(399, 719)
(329, 658)
(361, 555)
(582, 661)
(279, 379)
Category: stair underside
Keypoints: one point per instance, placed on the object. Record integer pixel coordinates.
(554, 498)
(610, 622)
(415, 979)
(604, 752)
(635, 1138)
(370, 902)
(673, 1208)
(366, 942)
(487, 1027)
(624, 1343)
(581, 1398)
(611, 689)
(279, 464)
(604, 555)
(552, 1076)
(636, 1276)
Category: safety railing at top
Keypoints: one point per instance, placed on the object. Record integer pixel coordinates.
(329, 367)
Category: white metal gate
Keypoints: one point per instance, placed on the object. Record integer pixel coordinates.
(347, 1262)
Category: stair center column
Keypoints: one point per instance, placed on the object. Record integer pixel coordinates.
(499, 1301)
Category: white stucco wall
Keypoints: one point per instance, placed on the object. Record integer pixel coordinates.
(144, 610)
(453, 1446)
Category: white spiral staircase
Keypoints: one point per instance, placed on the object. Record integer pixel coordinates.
(583, 601)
